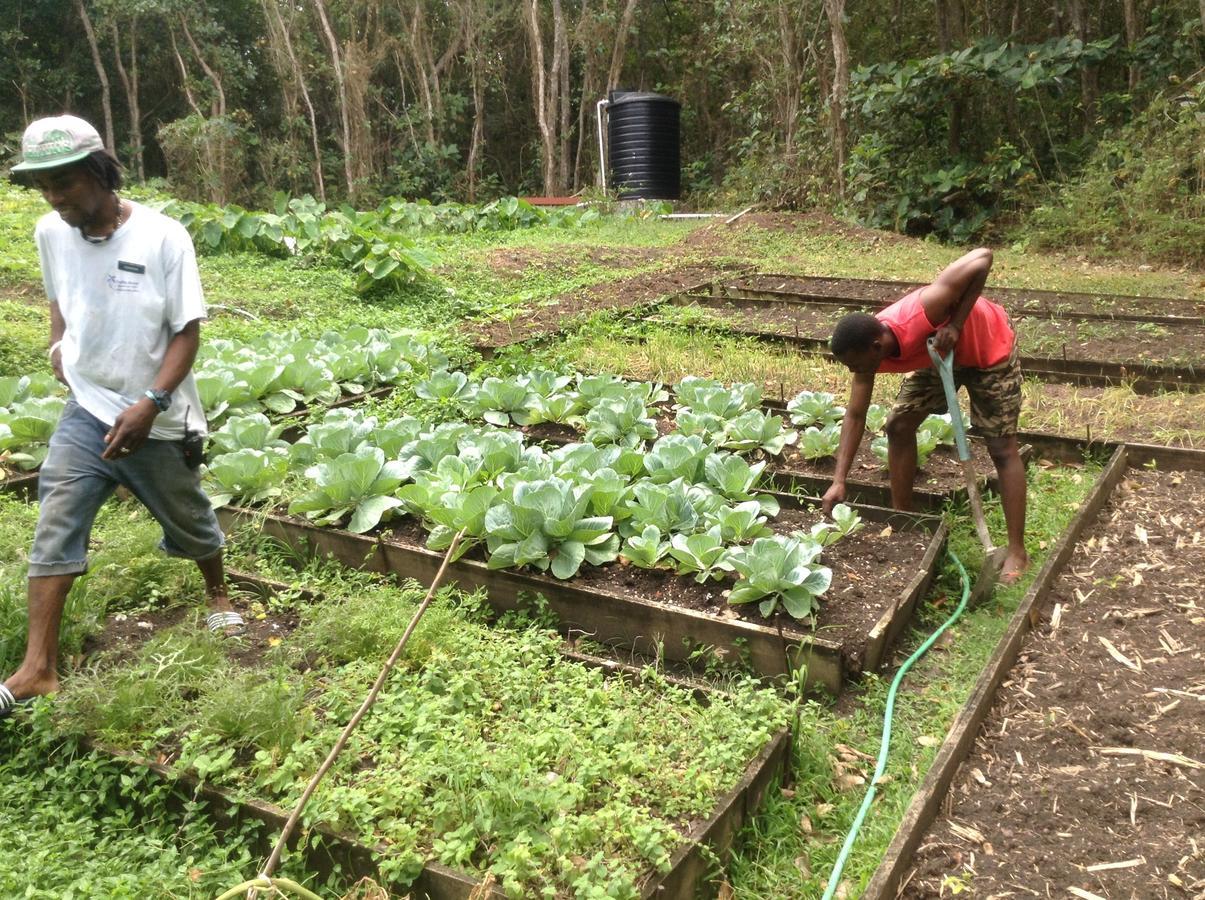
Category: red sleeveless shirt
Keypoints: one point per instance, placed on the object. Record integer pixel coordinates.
(986, 338)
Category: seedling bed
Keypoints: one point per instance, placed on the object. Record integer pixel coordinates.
(1115, 612)
(670, 616)
(871, 294)
(26, 483)
(937, 482)
(327, 849)
(810, 333)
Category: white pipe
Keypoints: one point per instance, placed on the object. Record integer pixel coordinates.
(602, 159)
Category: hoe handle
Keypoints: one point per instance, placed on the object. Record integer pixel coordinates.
(945, 368)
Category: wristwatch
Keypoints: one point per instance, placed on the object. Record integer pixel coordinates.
(161, 399)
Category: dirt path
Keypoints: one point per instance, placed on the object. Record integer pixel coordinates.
(1088, 776)
(621, 294)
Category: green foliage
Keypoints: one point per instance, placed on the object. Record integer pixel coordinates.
(360, 483)
(545, 524)
(779, 569)
(1142, 192)
(246, 476)
(902, 172)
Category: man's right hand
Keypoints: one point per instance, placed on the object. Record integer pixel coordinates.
(56, 363)
(834, 495)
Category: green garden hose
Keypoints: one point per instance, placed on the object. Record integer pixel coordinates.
(835, 878)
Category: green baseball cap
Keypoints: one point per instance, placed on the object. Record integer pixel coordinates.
(56, 141)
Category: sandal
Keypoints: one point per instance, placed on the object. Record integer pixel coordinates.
(221, 622)
(10, 704)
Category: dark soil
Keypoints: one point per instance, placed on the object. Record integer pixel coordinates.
(125, 632)
(870, 570)
(1119, 342)
(1115, 342)
(514, 262)
(1061, 789)
(941, 473)
(621, 294)
(1016, 300)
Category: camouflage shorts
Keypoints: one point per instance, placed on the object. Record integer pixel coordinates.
(995, 395)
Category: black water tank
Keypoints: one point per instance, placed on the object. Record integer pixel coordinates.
(643, 135)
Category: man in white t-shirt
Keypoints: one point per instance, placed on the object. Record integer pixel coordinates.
(125, 319)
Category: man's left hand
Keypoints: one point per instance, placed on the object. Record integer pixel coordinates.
(946, 338)
(130, 430)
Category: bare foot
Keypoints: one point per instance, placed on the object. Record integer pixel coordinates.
(1015, 565)
(25, 686)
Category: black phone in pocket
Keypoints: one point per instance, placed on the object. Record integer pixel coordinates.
(194, 448)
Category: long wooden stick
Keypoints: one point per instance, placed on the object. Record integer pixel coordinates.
(295, 816)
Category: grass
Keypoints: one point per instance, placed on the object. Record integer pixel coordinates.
(485, 738)
(815, 247)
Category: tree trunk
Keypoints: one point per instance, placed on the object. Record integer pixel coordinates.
(184, 85)
(218, 105)
(544, 98)
(1087, 74)
(1133, 26)
(835, 10)
(101, 74)
(129, 81)
(619, 49)
(278, 32)
(560, 74)
(341, 88)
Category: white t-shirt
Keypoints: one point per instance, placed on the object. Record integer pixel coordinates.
(123, 300)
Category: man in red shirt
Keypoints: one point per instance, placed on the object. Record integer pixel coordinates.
(985, 362)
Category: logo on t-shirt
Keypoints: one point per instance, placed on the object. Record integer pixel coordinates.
(123, 285)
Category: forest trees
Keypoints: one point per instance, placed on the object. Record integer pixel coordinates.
(925, 117)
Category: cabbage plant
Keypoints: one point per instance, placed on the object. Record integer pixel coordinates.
(250, 432)
(818, 443)
(756, 430)
(702, 554)
(779, 570)
(814, 408)
(620, 421)
(246, 475)
(645, 549)
(360, 484)
(544, 524)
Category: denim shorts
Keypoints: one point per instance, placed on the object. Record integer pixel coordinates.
(74, 481)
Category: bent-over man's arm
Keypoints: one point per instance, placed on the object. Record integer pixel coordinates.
(949, 299)
(853, 426)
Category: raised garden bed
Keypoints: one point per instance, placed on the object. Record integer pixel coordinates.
(24, 484)
(809, 328)
(937, 482)
(1118, 606)
(683, 874)
(872, 294)
(670, 616)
